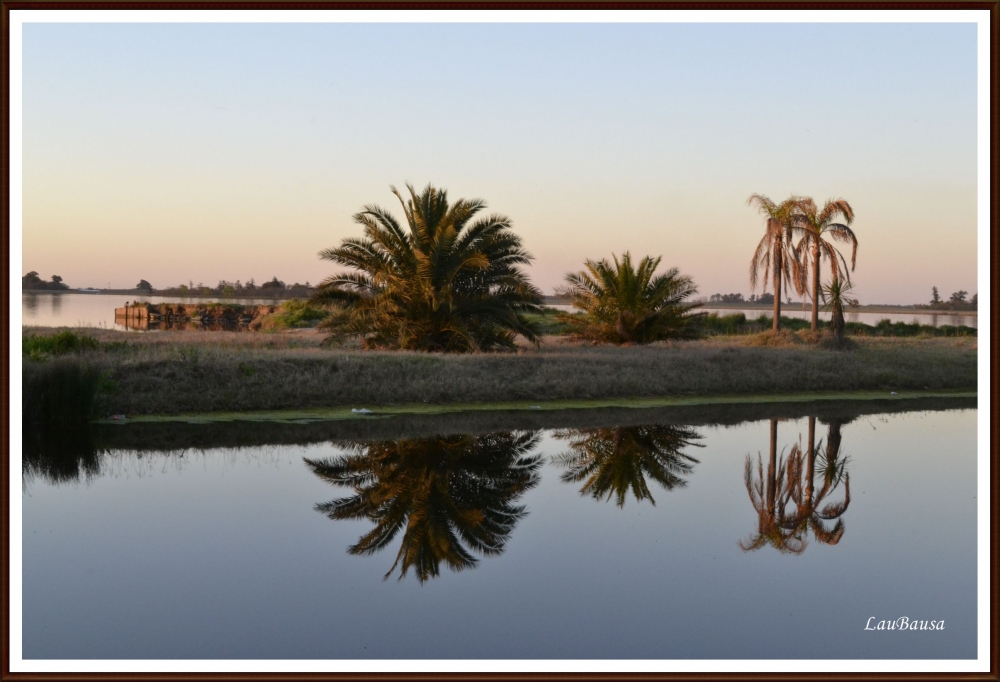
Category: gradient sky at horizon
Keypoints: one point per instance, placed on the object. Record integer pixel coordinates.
(202, 152)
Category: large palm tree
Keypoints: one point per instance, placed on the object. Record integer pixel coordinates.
(613, 461)
(450, 496)
(775, 252)
(815, 226)
(446, 282)
(625, 303)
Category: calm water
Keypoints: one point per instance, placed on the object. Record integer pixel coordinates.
(933, 319)
(94, 310)
(279, 551)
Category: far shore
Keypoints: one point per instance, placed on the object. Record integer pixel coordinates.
(793, 307)
(548, 301)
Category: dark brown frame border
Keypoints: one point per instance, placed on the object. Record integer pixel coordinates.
(6, 7)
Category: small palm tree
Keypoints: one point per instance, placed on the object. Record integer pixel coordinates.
(628, 304)
(835, 295)
(613, 461)
(815, 226)
(445, 283)
(775, 251)
(450, 496)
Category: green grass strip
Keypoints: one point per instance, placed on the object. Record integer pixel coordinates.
(383, 411)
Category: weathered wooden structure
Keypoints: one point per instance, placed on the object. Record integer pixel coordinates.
(206, 316)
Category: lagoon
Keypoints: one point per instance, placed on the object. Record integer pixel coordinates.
(69, 309)
(223, 541)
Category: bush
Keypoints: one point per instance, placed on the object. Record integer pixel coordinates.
(40, 347)
(293, 315)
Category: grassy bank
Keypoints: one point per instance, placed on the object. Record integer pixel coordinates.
(168, 374)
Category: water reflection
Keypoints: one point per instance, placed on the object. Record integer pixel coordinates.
(449, 495)
(29, 304)
(58, 454)
(787, 499)
(612, 461)
(216, 325)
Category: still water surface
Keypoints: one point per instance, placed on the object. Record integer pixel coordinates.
(934, 319)
(654, 541)
(95, 310)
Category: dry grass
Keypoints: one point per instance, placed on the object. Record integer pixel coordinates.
(190, 371)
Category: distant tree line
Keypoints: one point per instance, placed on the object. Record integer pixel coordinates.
(237, 289)
(957, 301)
(32, 282)
(738, 298)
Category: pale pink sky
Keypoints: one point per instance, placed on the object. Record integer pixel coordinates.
(179, 153)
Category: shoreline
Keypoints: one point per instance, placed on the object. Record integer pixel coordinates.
(191, 373)
(376, 412)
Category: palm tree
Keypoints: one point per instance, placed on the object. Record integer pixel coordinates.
(775, 249)
(445, 283)
(612, 461)
(769, 496)
(835, 295)
(450, 496)
(628, 304)
(814, 227)
(807, 499)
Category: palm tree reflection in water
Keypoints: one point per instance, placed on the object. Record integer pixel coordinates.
(450, 495)
(612, 461)
(787, 500)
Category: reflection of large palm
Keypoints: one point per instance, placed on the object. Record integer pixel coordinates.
(804, 493)
(613, 461)
(449, 495)
(770, 496)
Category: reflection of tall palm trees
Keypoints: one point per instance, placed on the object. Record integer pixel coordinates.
(802, 469)
(450, 495)
(613, 461)
(787, 499)
(769, 497)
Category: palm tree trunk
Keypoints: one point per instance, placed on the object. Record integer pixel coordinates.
(815, 310)
(811, 463)
(772, 466)
(777, 287)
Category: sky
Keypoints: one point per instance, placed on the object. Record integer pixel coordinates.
(207, 152)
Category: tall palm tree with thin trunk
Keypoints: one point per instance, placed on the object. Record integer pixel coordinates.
(775, 253)
(815, 226)
(769, 494)
(802, 469)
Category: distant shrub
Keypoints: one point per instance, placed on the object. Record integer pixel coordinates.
(729, 325)
(294, 314)
(39, 347)
(550, 321)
